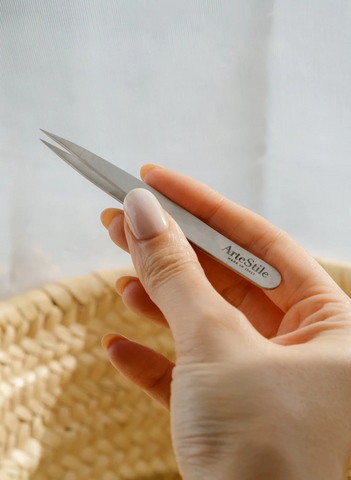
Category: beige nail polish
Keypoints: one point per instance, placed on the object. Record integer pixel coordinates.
(144, 214)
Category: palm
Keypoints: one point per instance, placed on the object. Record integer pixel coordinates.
(263, 314)
(298, 324)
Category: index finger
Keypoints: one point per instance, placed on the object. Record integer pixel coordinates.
(301, 275)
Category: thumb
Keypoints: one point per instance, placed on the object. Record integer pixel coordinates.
(171, 274)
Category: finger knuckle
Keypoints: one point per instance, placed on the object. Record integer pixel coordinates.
(269, 237)
(164, 265)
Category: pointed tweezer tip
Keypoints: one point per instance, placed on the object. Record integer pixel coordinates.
(61, 153)
(53, 148)
(46, 133)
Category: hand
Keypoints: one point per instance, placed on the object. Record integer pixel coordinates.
(262, 383)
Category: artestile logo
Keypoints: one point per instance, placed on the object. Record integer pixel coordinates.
(246, 263)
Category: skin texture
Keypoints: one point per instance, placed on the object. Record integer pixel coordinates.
(261, 387)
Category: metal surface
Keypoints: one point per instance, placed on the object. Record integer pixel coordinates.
(117, 183)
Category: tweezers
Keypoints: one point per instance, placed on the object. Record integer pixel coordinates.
(117, 183)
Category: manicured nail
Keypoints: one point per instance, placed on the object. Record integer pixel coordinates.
(123, 282)
(109, 338)
(144, 214)
(145, 168)
(108, 215)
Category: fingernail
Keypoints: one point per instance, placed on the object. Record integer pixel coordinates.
(145, 168)
(109, 338)
(108, 215)
(123, 282)
(144, 214)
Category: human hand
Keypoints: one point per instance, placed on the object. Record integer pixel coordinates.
(261, 387)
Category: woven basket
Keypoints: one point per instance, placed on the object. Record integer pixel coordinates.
(65, 413)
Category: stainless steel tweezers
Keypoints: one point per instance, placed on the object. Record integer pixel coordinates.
(117, 183)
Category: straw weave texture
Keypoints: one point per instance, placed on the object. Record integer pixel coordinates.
(65, 413)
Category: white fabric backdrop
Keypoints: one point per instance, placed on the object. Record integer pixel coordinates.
(251, 97)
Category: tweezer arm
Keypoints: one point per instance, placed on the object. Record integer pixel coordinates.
(116, 182)
(219, 247)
